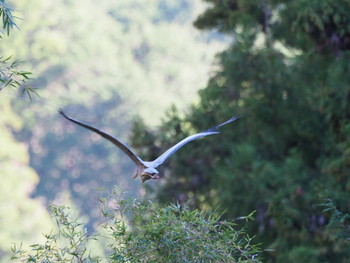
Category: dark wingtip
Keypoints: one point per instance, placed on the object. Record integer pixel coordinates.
(60, 111)
(222, 124)
(230, 120)
(234, 118)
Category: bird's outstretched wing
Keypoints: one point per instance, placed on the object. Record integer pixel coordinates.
(113, 140)
(214, 130)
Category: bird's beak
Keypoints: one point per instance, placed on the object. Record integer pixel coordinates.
(154, 176)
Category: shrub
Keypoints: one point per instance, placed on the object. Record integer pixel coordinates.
(141, 231)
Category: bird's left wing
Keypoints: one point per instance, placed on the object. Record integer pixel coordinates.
(214, 130)
(113, 140)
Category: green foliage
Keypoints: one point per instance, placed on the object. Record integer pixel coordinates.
(170, 233)
(339, 220)
(311, 24)
(68, 245)
(8, 20)
(9, 74)
(289, 150)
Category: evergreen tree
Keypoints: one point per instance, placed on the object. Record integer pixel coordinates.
(287, 73)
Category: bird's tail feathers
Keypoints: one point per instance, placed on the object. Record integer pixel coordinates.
(222, 124)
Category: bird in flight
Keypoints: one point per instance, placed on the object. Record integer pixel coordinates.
(147, 170)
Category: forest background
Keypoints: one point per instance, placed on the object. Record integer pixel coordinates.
(120, 66)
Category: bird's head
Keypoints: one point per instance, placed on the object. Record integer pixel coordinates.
(149, 173)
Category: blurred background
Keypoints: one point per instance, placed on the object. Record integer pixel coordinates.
(106, 64)
(152, 72)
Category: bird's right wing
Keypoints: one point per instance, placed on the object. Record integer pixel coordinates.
(161, 159)
(214, 130)
(113, 140)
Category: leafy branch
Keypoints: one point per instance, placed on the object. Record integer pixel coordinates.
(9, 74)
(8, 20)
(68, 245)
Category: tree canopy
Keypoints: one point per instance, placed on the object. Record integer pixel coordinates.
(287, 74)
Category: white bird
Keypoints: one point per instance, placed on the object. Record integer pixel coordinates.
(147, 170)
